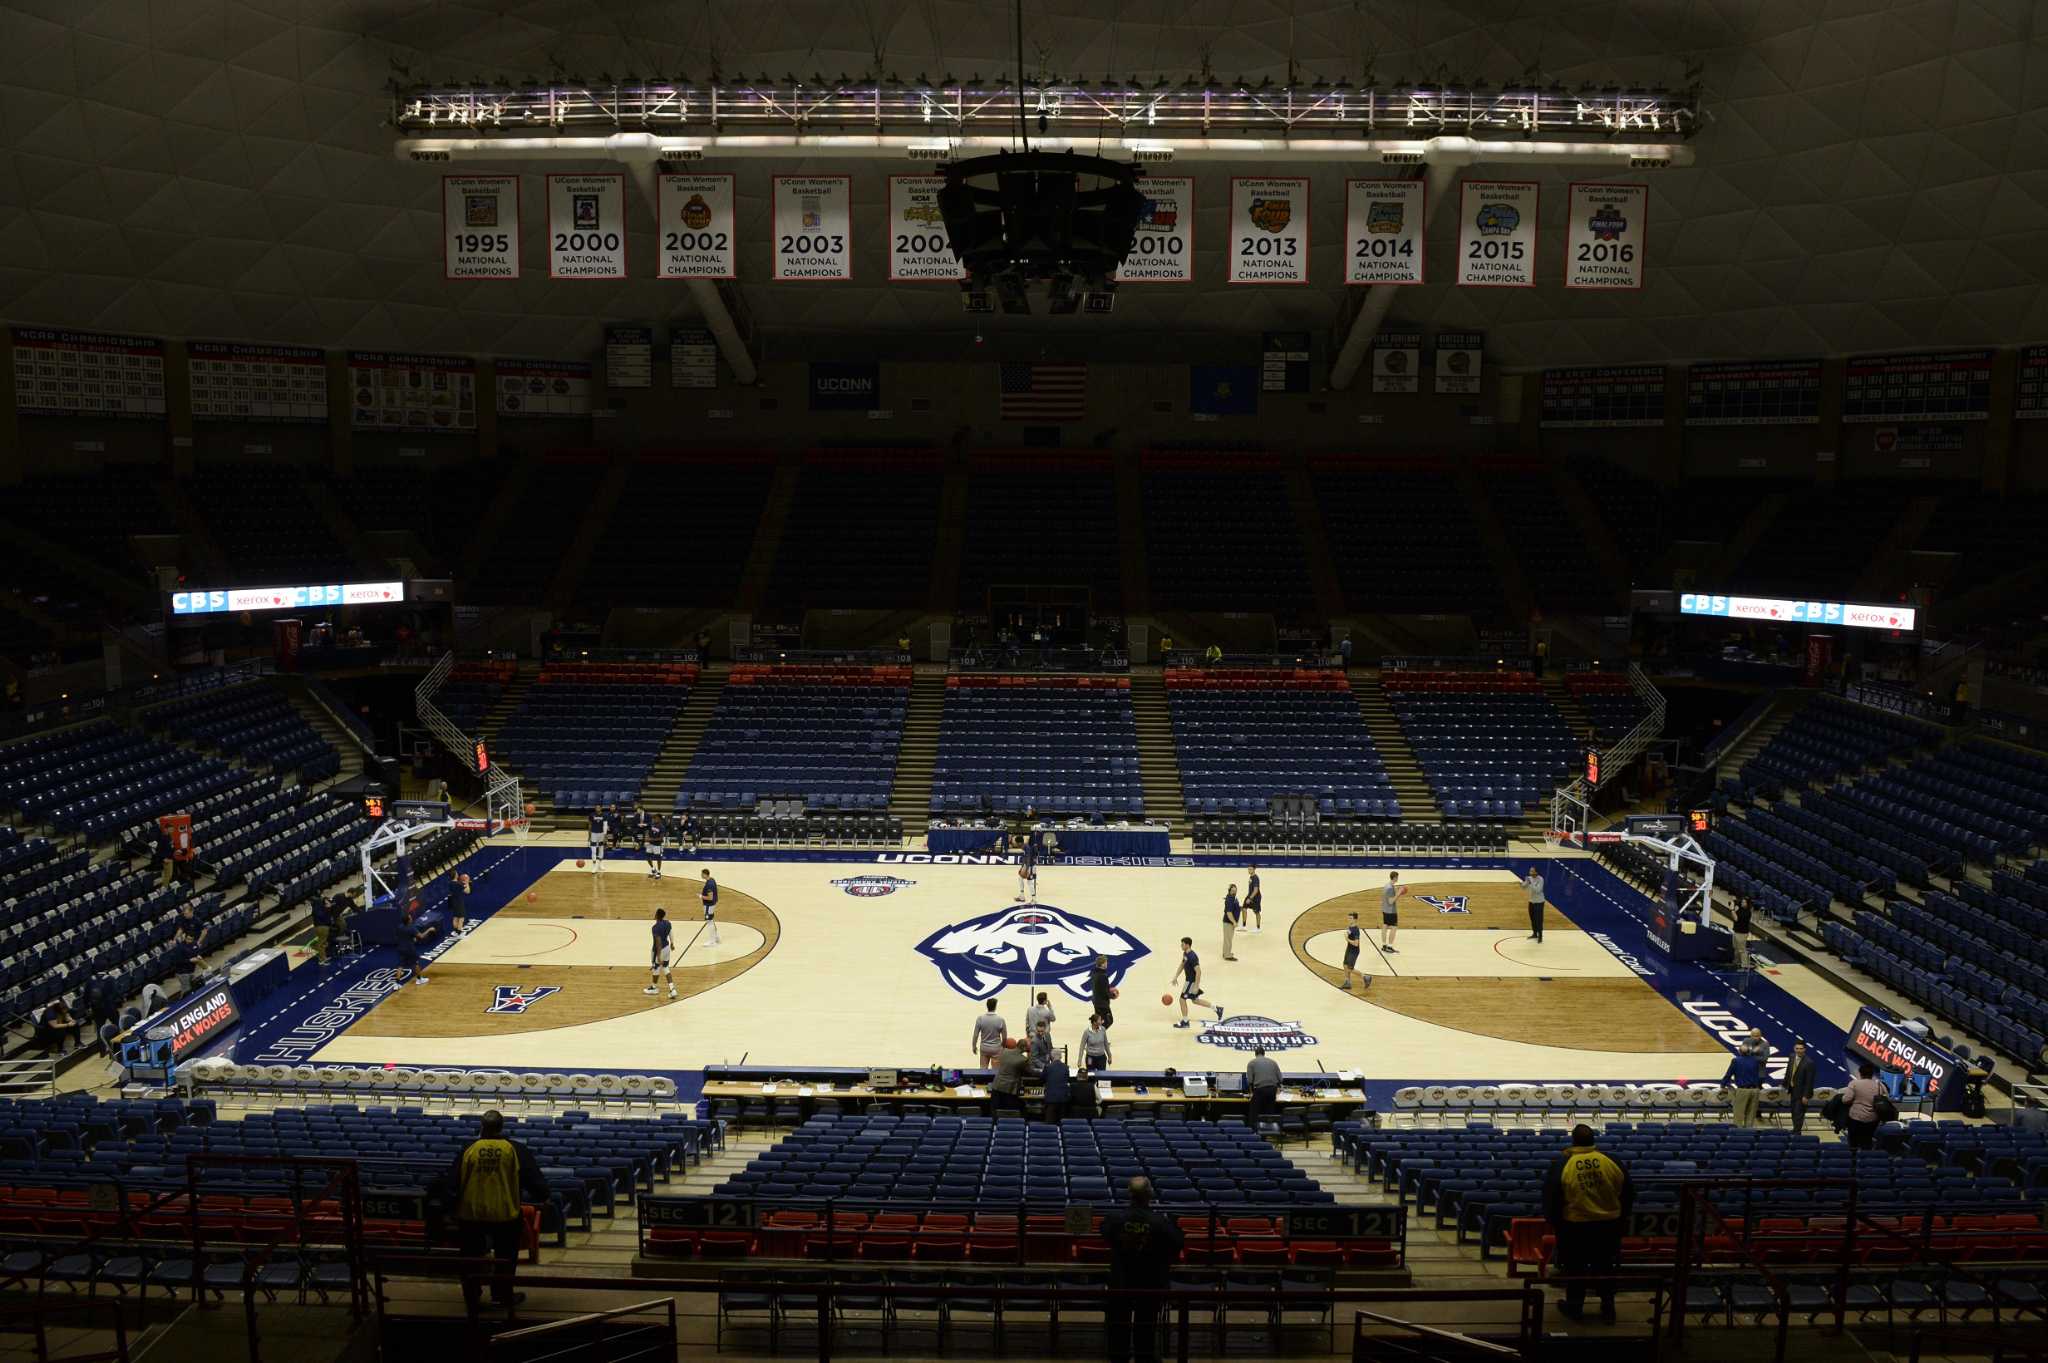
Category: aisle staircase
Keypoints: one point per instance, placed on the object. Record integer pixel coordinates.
(910, 798)
(680, 748)
(515, 692)
(1789, 703)
(1158, 764)
(330, 729)
(1568, 705)
(1418, 803)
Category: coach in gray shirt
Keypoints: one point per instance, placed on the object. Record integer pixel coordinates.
(990, 1031)
(1262, 1077)
(1533, 885)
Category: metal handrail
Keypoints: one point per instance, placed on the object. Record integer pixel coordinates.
(1449, 1338)
(438, 724)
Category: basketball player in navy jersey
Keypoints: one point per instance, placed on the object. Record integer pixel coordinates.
(656, 836)
(597, 831)
(663, 933)
(1190, 970)
(1351, 952)
(709, 895)
(1254, 899)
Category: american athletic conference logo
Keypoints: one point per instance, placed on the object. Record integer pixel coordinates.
(1027, 943)
(1250, 1031)
(872, 887)
(511, 998)
(1446, 903)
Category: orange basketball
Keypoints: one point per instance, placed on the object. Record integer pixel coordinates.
(1116, 993)
(1166, 999)
(531, 896)
(529, 810)
(579, 863)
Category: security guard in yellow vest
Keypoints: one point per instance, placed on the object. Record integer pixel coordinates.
(1587, 1196)
(491, 1173)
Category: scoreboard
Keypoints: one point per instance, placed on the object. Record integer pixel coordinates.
(1615, 396)
(1753, 393)
(1949, 385)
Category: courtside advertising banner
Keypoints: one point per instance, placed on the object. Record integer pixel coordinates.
(1459, 355)
(918, 248)
(696, 227)
(1397, 362)
(480, 226)
(1163, 252)
(1383, 231)
(1268, 232)
(813, 227)
(587, 226)
(1603, 239)
(1497, 234)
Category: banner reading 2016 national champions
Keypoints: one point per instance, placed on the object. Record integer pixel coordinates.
(1603, 240)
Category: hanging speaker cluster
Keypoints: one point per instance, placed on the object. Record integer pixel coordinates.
(1021, 219)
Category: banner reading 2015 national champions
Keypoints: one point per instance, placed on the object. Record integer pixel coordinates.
(1497, 234)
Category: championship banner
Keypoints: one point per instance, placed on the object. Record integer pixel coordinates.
(813, 226)
(695, 216)
(480, 226)
(2030, 401)
(586, 226)
(1163, 252)
(1948, 385)
(412, 392)
(1459, 357)
(1397, 362)
(1383, 231)
(1604, 235)
(232, 382)
(544, 388)
(87, 373)
(1497, 234)
(918, 248)
(1268, 232)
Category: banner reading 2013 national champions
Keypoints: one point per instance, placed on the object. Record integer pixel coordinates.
(1268, 231)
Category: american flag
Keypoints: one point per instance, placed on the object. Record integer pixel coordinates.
(1044, 392)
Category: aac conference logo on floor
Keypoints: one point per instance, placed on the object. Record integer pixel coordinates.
(1029, 944)
(872, 887)
(512, 998)
(1250, 1031)
(1446, 903)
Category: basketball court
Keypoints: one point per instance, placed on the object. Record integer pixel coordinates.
(848, 960)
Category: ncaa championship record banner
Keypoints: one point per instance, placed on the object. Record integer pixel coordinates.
(87, 373)
(256, 382)
(813, 226)
(2030, 401)
(1626, 395)
(918, 248)
(412, 392)
(1497, 234)
(1268, 232)
(587, 226)
(1459, 355)
(543, 388)
(1949, 385)
(696, 236)
(1383, 241)
(480, 226)
(1753, 393)
(1397, 362)
(1163, 252)
(1604, 236)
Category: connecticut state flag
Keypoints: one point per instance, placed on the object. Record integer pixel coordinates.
(1223, 389)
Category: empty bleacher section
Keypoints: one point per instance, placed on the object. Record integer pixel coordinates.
(969, 1160)
(524, 555)
(255, 723)
(1041, 518)
(1489, 743)
(1633, 508)
(97, 779)
(1828, 739)
(1820, 543)
(259, 517)
(680, 533)
(1058, 745)
(588, 733)
(861, 532)
(1222, 537)
(94, 516)
(1403, 540)
(1245, 736)
(824, 734)
(1991, 535)
(1611, 703)
(471, 690)
(1561, 575)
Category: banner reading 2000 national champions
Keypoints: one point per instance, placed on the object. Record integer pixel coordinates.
(586, 226)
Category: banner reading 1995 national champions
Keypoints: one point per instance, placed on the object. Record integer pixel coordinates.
(480, 226)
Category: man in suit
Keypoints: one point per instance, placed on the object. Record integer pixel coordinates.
(1799, 1084)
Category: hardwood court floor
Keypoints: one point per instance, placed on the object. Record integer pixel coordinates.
(823, 965)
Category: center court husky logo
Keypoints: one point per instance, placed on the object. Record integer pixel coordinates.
(510, 998)
(1029, 941)
(1445, 903)
(870, 887)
